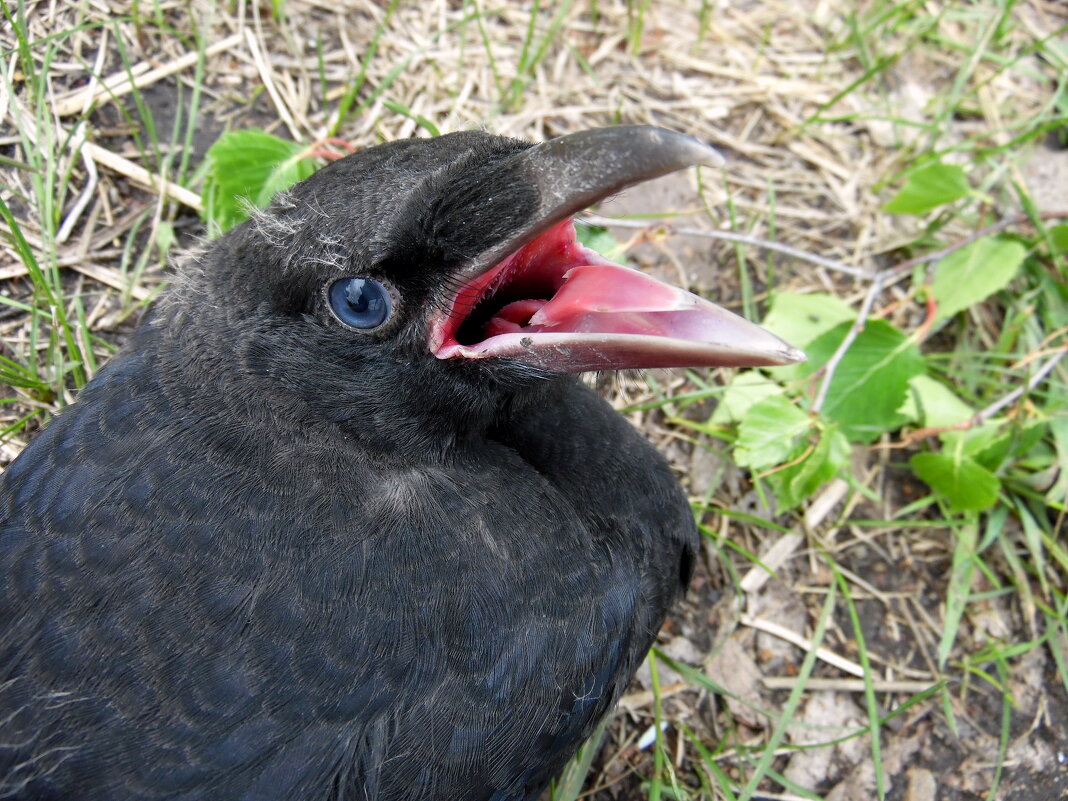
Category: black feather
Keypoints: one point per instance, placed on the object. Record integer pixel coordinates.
(264, 557)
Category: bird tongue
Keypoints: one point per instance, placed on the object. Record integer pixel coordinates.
(604, 298)
(565, 309)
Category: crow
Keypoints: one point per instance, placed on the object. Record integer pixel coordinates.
(339, 521)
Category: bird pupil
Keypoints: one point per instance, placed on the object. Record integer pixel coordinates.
(358, 299)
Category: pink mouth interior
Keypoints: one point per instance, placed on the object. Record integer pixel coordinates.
(558, 305)
(555, 285)
(507, 298)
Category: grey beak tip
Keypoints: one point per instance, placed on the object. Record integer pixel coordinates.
(792, 355)
(688, 148)
(704, 155)
(713, 158)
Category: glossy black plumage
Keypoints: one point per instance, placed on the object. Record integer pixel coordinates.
(263, 557)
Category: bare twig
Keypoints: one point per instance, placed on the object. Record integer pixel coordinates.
(816, 683)
(772, 560)
(783, 633)
(268, 83)
(882, 278)
(85, 195)
(17, 269)
(879, 280)
(998, 227)
(644, 698)
(120, 84)
(114, 279)
(138, 174)
(732, 236)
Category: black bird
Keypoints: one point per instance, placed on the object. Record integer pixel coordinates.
(335, 524)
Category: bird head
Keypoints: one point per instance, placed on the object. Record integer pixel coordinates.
(448, 270)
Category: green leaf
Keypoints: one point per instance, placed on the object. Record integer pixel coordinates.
(744, 390)
(250, 166)
(1059, 235)
(975, 439)
(933, 404)
(960, 583)
(963, 482)
(928, 188)
(568, 785)
(799, 319)
(871, 380)
(597, 238)
(17, 375)
(419, 119)
(1011, 443)
(165, 238)
(800, 480)
(974, 273)
(770, 433)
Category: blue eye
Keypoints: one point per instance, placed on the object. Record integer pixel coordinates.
(360, 303)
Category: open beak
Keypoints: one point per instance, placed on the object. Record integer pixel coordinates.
(542, 298)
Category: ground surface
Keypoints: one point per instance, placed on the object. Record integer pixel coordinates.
(815, 120)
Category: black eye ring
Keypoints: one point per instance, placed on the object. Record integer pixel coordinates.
(360, 304)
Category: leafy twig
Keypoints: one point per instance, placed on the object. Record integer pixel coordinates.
(862, 318)
(1012, 397)
(985, 414)
(996, 228)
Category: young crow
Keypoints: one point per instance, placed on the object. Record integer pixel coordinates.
(336, 523)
